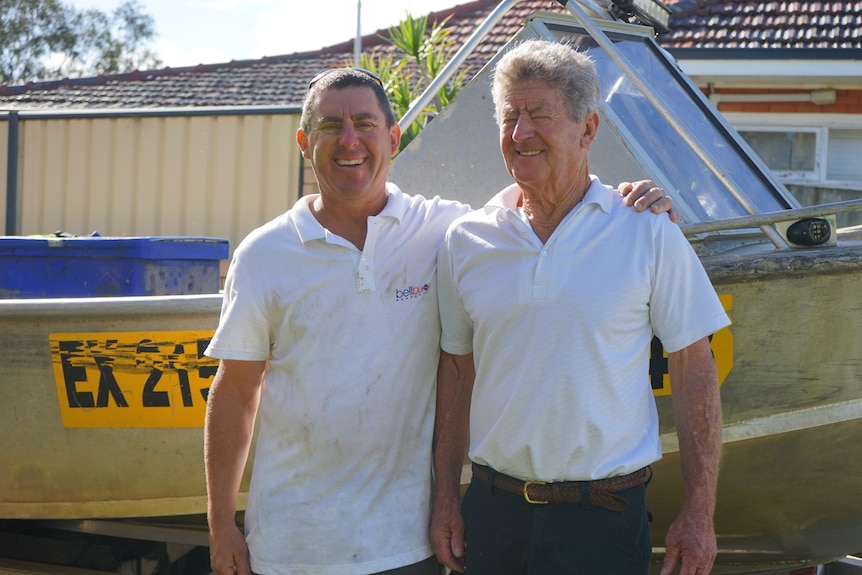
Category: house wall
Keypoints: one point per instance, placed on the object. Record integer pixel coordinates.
(843, 118)
(846, 102)
(215, 173)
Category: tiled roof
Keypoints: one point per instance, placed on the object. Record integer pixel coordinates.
(772, 24)
(268, 82)
(282, 80)
(271, 81)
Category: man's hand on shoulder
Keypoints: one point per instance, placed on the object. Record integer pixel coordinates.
(645, 194)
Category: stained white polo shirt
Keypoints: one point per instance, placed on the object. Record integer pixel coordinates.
(561, 332)
(341, 480)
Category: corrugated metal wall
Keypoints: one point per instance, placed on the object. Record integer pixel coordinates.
(217, 173)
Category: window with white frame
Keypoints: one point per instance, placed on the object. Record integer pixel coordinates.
(808, 154)
(790, 153)
(844, 157)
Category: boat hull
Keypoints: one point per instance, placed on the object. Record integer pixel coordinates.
(789, 491)
(57, 463)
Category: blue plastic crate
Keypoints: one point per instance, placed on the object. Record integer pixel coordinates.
(47, 267)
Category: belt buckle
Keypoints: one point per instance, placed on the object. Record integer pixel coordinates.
(527, 495)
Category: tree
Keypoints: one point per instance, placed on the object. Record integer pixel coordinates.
(419, 57)
(47, 39)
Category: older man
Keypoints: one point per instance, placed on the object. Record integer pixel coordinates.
(546, 330)
(333, 306)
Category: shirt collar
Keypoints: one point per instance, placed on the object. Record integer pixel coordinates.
(508, 198)
(310, 229)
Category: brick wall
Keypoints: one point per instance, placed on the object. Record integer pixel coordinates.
(846, 102)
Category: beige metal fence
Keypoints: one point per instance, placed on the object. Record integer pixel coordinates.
(197, 172)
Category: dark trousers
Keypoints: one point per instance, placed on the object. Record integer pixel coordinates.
(429, 566)
(506, 535)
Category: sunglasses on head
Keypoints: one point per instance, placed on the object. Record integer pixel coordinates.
(325, 73)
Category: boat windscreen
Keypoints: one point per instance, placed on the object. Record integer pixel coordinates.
(696, 154)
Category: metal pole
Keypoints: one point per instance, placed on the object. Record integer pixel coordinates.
(12, 175)
(769, 218)
(357, 42)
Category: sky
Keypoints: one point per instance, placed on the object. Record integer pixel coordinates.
(191, 32)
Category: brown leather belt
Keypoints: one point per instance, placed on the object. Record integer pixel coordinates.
(601, 492)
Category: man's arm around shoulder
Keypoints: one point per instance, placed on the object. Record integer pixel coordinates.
(697, 412)
(455, 376)
(231, 409)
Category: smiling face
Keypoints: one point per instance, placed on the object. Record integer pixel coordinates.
(543, 147)
(350, 145)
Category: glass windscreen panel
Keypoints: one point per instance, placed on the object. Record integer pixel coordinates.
(695, 181)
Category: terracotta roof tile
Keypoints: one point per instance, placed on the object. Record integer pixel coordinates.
(813, 24)
(282, 80)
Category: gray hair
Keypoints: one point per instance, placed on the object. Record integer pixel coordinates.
(338, 78)
(559, 66)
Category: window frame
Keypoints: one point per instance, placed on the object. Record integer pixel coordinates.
(820, 125)
(817, 173)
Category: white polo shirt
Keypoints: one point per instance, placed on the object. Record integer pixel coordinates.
(561, 332)
(341, 480)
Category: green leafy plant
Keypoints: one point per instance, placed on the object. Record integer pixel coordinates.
(419, 56)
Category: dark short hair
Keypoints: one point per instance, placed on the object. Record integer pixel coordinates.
(338, 79)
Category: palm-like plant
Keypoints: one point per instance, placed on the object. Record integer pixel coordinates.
(419, 57)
